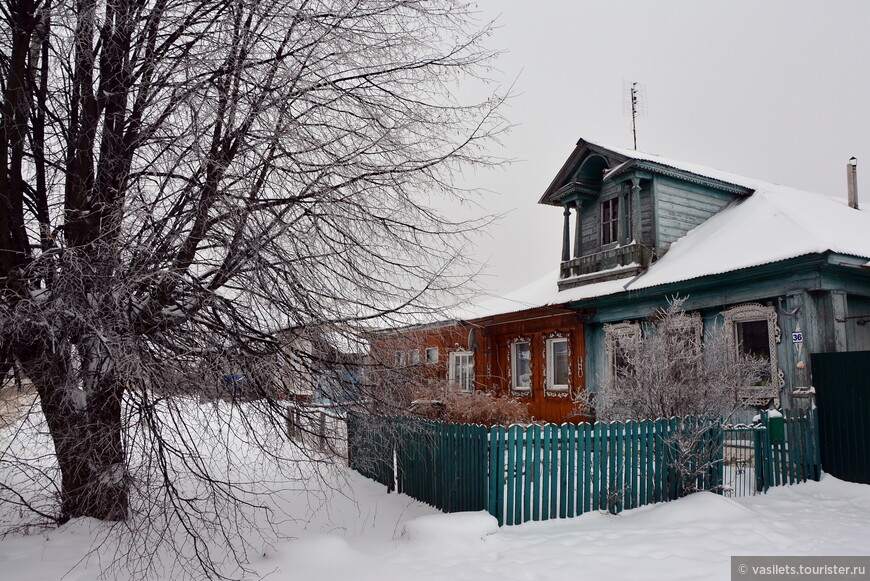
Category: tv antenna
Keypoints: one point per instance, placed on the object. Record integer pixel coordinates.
(634, 104)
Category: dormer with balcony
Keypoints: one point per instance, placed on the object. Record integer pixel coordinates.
(623, 209)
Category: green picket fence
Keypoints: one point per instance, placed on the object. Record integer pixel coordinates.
(371, 442)
(540, 472)
(790, 453)
(545, 472)
(445, 465)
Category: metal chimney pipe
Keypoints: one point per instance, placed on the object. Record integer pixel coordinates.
(852, 182)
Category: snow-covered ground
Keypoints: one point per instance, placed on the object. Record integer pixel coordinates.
(356, 531)
(366, 534)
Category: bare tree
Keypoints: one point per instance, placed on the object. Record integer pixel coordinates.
(674, 369)
(181, 179)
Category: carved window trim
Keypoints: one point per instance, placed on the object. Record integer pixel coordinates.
(521, 390)
(548, 339)
(695, 324)
(612, 333)
(748, 313)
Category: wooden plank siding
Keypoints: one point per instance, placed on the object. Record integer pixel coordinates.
(647, 217)
(591, 232)
(491, 345)
(535, 325)
(857, 329)
(445, 337)
(682, 206)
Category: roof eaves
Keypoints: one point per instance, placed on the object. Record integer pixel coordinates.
(671, 171)
(568, 167)
(754, 272)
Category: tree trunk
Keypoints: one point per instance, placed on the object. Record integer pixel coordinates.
(85, 426)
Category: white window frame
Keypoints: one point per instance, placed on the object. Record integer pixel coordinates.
(414, 357)
(551, 371)
(431, 359)
(514, 360)
(465, 382)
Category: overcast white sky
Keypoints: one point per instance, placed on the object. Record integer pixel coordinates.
(775, 90)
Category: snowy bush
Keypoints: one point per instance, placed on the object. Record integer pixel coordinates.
(444, 402)
(671, 370)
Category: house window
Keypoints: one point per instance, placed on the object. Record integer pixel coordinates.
(521, 365)
(755, 332)
(461, 369)
(691, 327)
(414, 357)
(400, 359)
(558, 365)
(610, 221)
(616, 337)
(431, 355)
(752, 338)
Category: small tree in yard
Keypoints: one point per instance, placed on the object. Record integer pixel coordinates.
(180, 180)
(671, 370)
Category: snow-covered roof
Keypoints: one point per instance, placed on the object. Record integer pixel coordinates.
(775, 223)
(700, 170)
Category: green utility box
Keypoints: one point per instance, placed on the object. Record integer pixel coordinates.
(776, 429)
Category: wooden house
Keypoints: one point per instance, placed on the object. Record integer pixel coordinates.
(534, 355)
(785, 269)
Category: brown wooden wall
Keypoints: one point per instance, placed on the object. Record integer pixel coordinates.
(446, 337)
(490, 339)
(535, 326)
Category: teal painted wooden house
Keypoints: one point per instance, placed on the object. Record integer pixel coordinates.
(785, 269)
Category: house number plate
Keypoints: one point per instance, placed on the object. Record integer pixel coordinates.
(797, 337)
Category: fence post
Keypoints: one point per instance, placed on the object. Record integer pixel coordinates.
(536, 472)
(496, 473)
(321, 431)
(351, 440)
(769, 456)
(547, 468)
(291, 424)
(814, 441)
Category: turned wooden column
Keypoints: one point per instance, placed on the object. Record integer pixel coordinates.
(566, 235)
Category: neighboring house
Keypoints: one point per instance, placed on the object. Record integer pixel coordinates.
(787, 270)
(319, 368)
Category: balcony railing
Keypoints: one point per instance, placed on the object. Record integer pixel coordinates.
(608, 264)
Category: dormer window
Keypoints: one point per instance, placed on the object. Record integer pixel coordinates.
(609, 221)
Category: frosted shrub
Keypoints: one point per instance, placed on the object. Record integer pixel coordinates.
(671, 370)
(444, 402)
